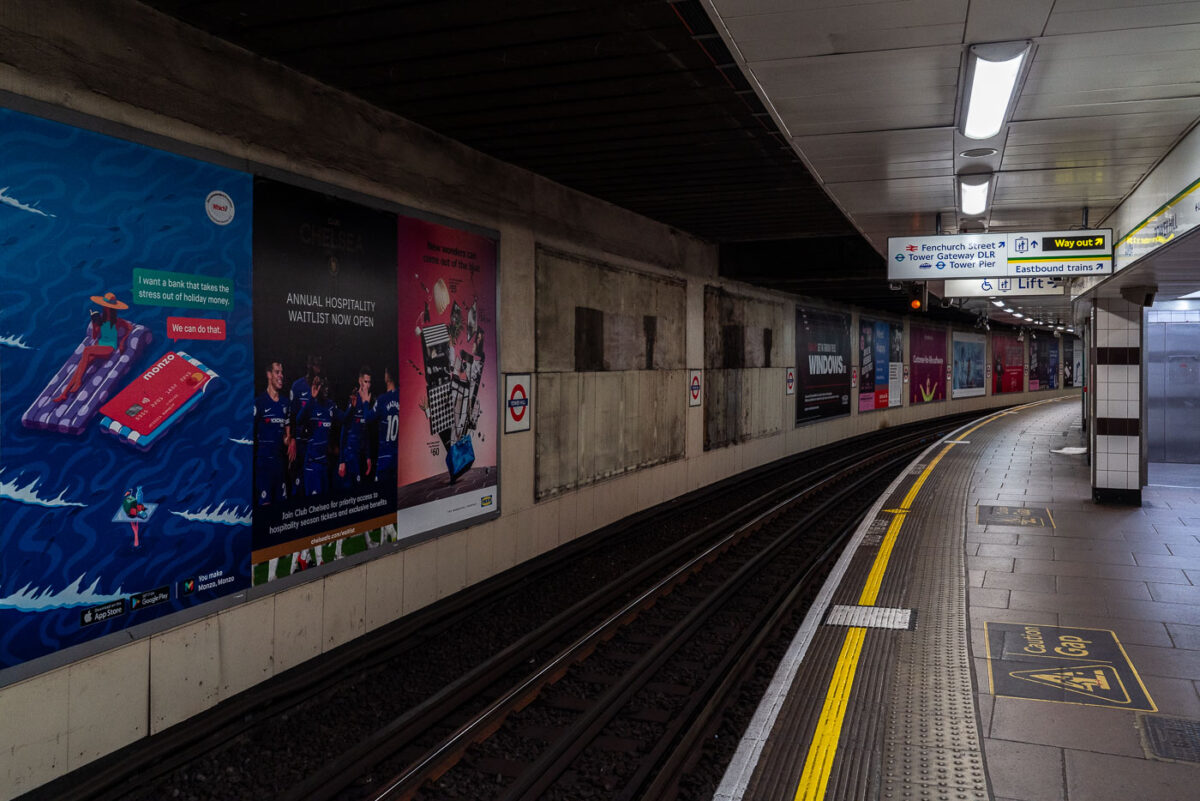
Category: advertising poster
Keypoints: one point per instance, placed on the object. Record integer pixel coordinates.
(448, 381)
(1072, 361)
(125, 370)
(970, 359)
(896, 367)
(878, 343)
(1043, 363)
(823, 364)
(325, 374)
(928, 356)
(1008, 364)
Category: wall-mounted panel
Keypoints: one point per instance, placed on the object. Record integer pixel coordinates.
(610, 354)
(742, 339)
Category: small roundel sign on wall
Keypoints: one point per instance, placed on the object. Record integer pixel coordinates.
(517, 402)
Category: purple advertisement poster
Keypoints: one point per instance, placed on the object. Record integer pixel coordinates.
(928, 356)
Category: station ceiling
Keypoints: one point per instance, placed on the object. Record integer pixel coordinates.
(797, 134)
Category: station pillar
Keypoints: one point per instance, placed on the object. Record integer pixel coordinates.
(1118, 468)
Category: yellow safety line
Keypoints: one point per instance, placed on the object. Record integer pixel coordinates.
(821, 751)
(819, 763)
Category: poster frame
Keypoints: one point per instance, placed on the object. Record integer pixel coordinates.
(255, 169)
(849, 364)
(979, 339)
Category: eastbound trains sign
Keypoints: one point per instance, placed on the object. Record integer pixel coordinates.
(1041, 253)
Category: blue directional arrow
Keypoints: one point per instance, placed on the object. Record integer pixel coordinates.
(899, 257)
(1034, 244)
(1001, 243)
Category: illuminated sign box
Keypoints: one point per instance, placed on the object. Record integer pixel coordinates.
(1013, 255)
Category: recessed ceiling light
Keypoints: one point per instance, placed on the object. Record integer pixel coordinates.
(992, 72)
(979, 152)
(973, 193)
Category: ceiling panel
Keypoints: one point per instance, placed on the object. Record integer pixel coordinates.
(1006, 20)
(1107, 16)
(892, 154)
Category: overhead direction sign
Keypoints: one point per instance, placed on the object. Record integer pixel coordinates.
(1002, 287)
(1039, 253)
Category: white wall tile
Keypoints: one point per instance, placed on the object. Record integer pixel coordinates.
(344, 611)
(109, 704)
(1135, 407)
(35, 751)
(1102, 443)
(1133, 462)
(185, 672)
(247, 636)
(298, 622)
(1102, 406)
(1101, 461)
(1102, 478)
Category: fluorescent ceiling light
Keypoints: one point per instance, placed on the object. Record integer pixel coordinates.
(992, 71)
(1190, 296)
(1007, 309)
(997, 303)
(1019, 316)
(973, 193)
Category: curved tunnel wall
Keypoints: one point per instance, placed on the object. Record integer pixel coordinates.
(612, 429)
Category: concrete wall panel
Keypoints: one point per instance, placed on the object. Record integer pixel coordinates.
(247, 635)
(35, 751)
(109, 707)
(185, 672)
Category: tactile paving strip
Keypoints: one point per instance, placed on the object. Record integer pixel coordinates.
(910, 729)
(931, 747)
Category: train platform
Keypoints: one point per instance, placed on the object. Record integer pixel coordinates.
(992, 633)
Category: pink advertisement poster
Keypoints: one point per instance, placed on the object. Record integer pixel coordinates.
(928, 355)
(448, 407)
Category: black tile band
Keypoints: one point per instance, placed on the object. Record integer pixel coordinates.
(1118, 426)
(1118, 355)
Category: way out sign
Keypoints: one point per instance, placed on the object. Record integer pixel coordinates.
(518, 403)
(694, 388)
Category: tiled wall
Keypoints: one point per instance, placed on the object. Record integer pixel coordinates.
(1116, 469)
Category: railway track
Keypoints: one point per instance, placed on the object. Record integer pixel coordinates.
(558, 599)
(620, 706)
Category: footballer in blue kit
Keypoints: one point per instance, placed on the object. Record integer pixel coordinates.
(272, 439)
(354, 455)
(318, 417)
(301, 395)
(387, 417)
